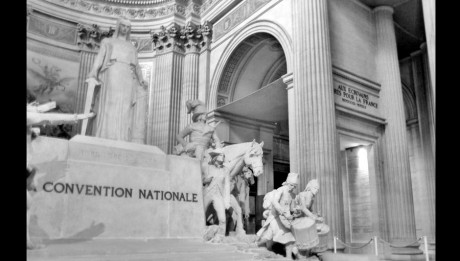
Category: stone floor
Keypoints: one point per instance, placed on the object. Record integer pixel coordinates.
(168, 250)
(152, 250)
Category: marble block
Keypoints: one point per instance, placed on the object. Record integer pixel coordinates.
(90, 187)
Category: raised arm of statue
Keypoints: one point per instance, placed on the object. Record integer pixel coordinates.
(36, 118)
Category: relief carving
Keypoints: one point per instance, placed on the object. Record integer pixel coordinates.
(132, 13)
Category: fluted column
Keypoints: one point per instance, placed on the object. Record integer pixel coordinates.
(429, 17)
(398, 189)
(315, 127)
(89, 39)
(167, 88)
(429, 97)
(428, 175)
(190, 73)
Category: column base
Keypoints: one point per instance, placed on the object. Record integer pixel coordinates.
(407, 253)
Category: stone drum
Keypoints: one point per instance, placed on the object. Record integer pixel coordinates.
(304, 231)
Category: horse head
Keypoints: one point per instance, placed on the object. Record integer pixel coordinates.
(253, 158)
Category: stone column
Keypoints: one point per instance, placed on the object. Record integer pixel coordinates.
(428, 174)
(205, 59)
(89, 39)
(190, 72)
(429, 17)
(398, 189)
(429, 96)
(167, 88)
(316, 154)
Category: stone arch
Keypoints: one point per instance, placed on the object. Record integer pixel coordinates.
(260, 26)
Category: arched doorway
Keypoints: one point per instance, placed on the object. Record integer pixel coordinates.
(252, 104)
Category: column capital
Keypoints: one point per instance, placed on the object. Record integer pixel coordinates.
(383, 8)
(289, 80)
(206, 31)
(90, 37)
(191, 36)
(167, 39)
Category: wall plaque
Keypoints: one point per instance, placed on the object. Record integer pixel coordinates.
(356, 98)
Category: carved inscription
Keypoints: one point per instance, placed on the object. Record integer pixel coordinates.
(353, 97)
(118, 192)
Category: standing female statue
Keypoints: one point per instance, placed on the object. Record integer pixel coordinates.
(117, 70)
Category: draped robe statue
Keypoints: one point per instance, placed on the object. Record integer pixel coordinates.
(117, 70)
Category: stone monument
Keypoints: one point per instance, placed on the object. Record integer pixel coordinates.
(116, 70)
(89, 187)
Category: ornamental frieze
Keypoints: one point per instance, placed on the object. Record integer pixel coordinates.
(130, 12)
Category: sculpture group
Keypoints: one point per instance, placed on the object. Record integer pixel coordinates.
(290, 220)
(227, 172)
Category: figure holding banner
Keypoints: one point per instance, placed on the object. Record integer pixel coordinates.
(117, 72)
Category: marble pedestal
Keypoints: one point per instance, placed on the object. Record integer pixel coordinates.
(95, 188)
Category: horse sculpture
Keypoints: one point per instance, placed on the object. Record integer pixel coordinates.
(236, 156)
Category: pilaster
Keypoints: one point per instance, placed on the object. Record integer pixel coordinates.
(191, 36)
(166, 87)
(205, 60)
